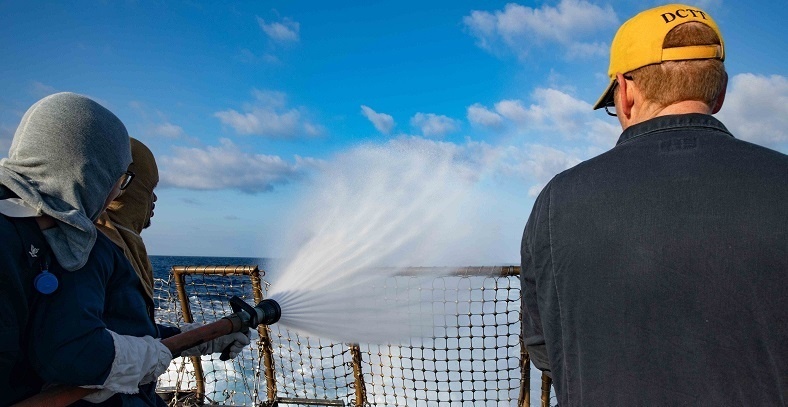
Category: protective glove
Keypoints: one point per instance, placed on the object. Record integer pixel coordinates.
(137, 361)
(236, 341)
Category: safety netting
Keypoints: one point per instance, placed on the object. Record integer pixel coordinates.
(474, 357)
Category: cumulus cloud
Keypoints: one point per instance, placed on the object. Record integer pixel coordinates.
(269, 116)
(473, 157)
(536, 162)
(285, 31)
(432, 125)
(155, 123)
(169, 130)
(552, 112)
(583, 50)
(756, 109)
(478, 114)
(515, 111)
(518, 28)
(228, 167)
(383, 122)
(533, 164)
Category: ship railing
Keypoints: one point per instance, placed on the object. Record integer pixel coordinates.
(479, 359)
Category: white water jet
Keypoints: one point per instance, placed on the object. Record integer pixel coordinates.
(372, 212)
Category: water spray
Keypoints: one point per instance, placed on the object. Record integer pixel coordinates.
(372, 212)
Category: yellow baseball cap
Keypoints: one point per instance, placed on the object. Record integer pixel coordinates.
(639, 42)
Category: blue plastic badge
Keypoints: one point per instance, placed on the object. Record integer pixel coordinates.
(46, 282)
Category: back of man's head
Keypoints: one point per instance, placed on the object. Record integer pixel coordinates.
(674, 81)
(673, 53)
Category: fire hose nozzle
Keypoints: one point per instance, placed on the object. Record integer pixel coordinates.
(245, 316)
(269, 312)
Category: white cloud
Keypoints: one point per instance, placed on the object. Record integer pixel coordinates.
(169, 130)
(537, 162)
(478, 114)
(585, 50)
(155, 123)
(534, 164)
(756, 109)
(518, 28)
(433, 125)
(228, 167)
(285, 31)
(515, 111)
(565, 112)
(313, 129)
(602, 133)
(553, 112)
(269, 116)
(383, 122)
(483, 26)
(262, 121)
(473, 157)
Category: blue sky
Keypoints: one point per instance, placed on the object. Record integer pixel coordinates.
(244, 102)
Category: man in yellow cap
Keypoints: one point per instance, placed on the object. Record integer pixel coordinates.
(656, 273)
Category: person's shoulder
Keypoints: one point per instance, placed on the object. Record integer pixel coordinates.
(580, 169)
(105, 247)
(755, 160)
(10, 247)
(760, 150)
(562, 177)
(9, 232)
(103, 242)
(104, 256)
(6, 227)
(558, 182)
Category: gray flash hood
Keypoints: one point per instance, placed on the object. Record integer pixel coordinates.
(67, 154)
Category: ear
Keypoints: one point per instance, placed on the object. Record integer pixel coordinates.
(626, 94)
(720, 97)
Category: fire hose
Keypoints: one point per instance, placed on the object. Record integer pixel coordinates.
(244, 316)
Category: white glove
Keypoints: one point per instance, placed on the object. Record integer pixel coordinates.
(236, 341)
(137, 361)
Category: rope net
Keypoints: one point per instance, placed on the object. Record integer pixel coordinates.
(474, 358)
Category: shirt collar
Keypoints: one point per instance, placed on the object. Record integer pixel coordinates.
(669, 122)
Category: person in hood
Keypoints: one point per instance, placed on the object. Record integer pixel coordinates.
(131, 212)
(72, 308)
(124, 220)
